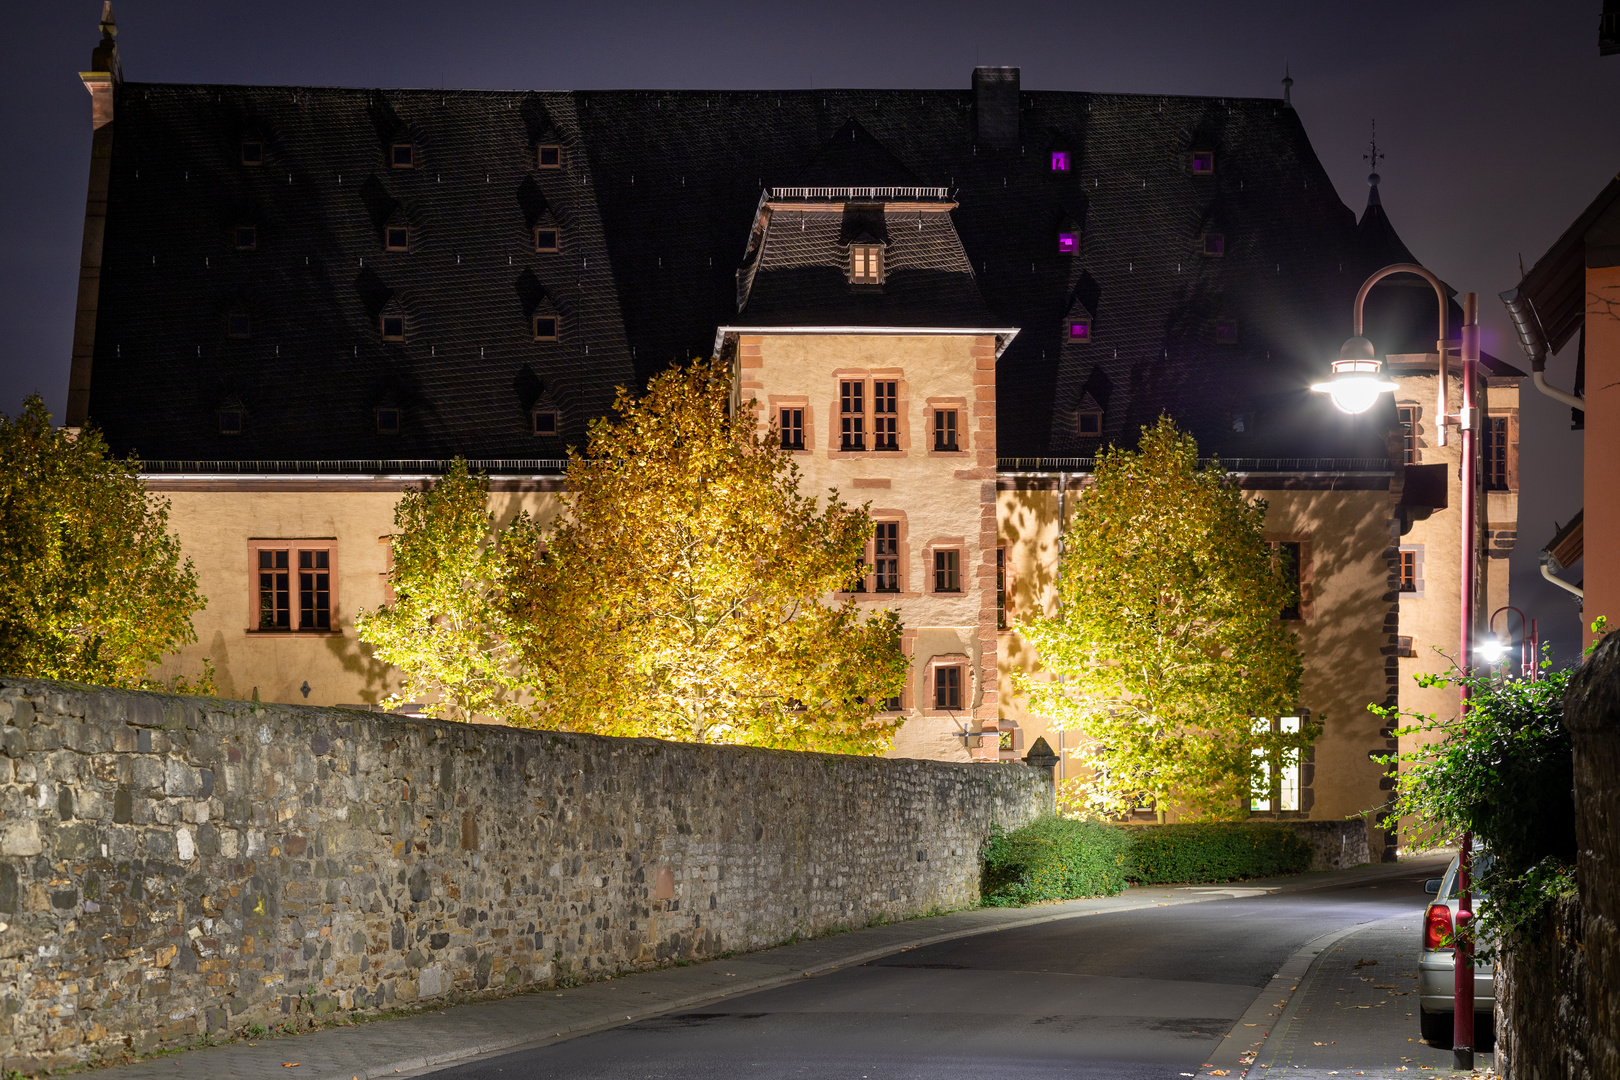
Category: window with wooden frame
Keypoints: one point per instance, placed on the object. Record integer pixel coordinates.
(1406, 416)
(1279, 768)
(548, 156)
(1060, 161)
(1493, 458)
(1226, 331)
(247, 238)
(852, 414)
(791, 425)
(1214, 245)
(886, 557)
(547, 239)
(885, 415)
(230, 421)
(253, 152)
(402, 155)
(1079, 330)
(1288, 554)
(1404, 646)
(238, 325)
(545, 328)
(387, 420)
(1090, 422)
(544, 421)
(947, 570)
(948, 687)
(866, 264)
(1068, 243)
(397, 238)
(1203, 162)
(945, 422)
(1412, 571)
(393, 327)
(1001, 588)
(293, 586)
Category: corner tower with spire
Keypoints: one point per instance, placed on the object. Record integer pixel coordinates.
(105, 76)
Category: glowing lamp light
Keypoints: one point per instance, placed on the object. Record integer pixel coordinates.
(1493, 649)
(1357, 378)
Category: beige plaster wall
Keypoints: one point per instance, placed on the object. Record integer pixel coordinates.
(1345, 635)
(216, 522)
(945, 498)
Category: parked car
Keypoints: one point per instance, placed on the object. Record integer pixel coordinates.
(1437, 964)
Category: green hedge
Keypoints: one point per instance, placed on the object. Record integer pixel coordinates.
(1215, 851)
(1054, 858)
(1062, 859)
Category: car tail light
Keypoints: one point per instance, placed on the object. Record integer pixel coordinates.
(1436, 927)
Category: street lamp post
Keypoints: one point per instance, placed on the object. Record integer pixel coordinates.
(1355, 386)
(1495, 647)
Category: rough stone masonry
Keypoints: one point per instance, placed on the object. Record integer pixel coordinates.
(171, 866)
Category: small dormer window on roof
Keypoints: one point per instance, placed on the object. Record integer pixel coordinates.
(1068, 243)
(253, 151)
(393, 328)
(549, 156)
(1060, 161)
(547, 239)
(387, 420)
(1091, 421)
(230, 420)
(397, 238)
(1226, 331)
(1203, 162)
(1079, 330)
(545, 421)
(247, 238)
(545, 328)
(238, 325)
(866, 264)
(1214, 245)
(402, 155)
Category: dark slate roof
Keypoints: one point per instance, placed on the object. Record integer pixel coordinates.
(798, 273)
(655, 201)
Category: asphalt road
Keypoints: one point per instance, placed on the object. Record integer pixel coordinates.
(1128, 995)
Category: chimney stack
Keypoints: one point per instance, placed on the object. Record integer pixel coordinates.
(995, 105)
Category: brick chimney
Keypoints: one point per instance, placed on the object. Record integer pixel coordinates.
(995, 105)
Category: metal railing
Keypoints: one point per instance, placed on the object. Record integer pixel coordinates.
(355, 466)
(1234, 464)
(909, 193)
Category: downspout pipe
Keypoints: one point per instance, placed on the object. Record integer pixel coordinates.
(1534, 343)
(1548, 565)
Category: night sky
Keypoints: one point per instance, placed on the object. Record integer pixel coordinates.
(1498, 119)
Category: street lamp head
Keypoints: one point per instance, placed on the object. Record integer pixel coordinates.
(1493, 649)
(1357, 378)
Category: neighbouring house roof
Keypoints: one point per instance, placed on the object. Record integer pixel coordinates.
(1556, 284)
(1568, 543)
(655, 201)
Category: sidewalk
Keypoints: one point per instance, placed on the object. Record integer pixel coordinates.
(1354, 1013)
(440, 1036)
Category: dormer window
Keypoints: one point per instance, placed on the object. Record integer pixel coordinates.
(402, 155)
(247, 238)
(550, 156)
(1090, 422)
(1068, 243)
(1060, 161)
(1079, 330)
(1203, 162)
(545, 421)
(546, 239)
(866, 264)
(397, 238)
(1214, 245)
(230, 421)
(252, 152)
(1226, 331)
(393, 328)
(545, 328)
(387, 420)
(238, 325)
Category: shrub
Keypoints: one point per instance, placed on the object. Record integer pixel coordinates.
(1054, 858)
(1214, 851)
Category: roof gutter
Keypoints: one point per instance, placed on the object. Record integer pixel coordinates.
(1004, 334)
(1534, 343)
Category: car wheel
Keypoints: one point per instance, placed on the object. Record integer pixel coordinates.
(1437, 1028)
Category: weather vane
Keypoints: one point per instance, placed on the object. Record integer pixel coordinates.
(1373, 156)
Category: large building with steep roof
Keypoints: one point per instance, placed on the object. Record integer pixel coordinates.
(297, 301)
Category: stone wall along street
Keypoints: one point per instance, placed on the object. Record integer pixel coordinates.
(174, 866)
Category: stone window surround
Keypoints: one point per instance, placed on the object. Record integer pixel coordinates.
(1417, 571)
(963, 663)
(902, 435)
(293, 545)
(957, 544)
(959, 405)
(777, 402)
(877, 515)
(1307, 576)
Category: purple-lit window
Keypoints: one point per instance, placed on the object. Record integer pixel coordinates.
(1214, 245)
(1226, 331)
(1080, 330)
(1060, 161)
(1068, 243)
(1203, 162)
